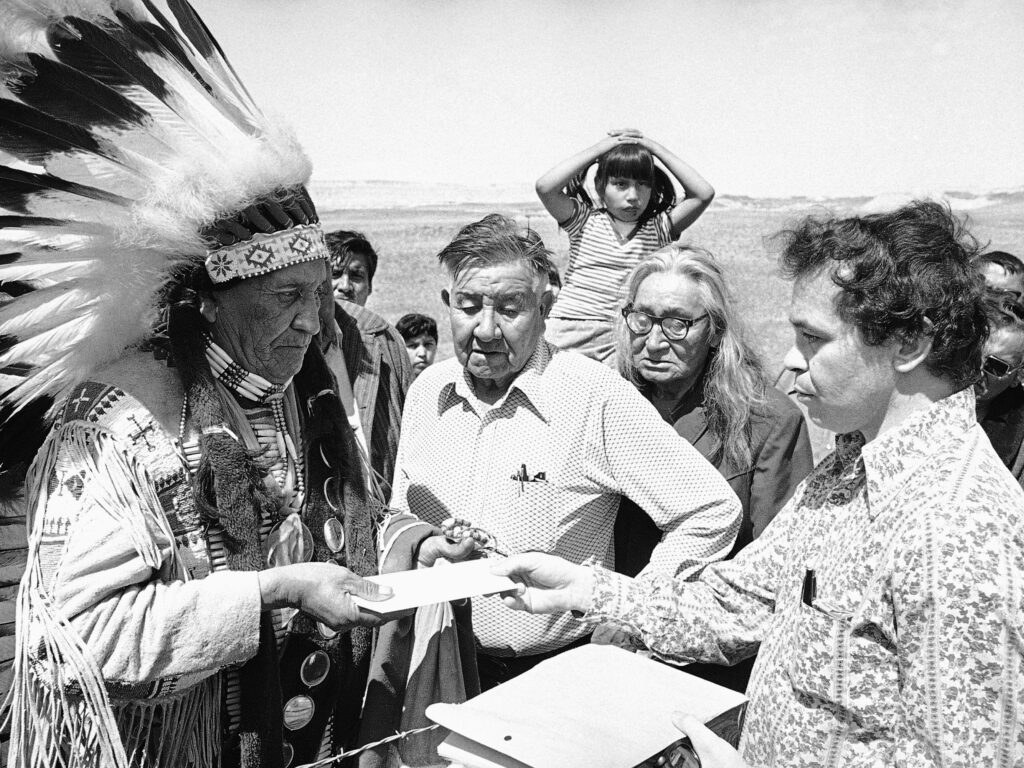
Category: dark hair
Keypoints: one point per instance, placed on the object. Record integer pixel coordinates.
(1010, 263)
(1003, 310)
(342, 244)
(495, 239)
(554, 279)
(415, 324)
(628, 161)
(902, 274)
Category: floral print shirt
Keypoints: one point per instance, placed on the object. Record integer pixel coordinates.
(911, 652)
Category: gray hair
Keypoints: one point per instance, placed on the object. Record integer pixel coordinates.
(735, 384)
(495, 239)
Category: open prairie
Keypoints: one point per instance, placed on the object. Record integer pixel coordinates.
(409, 280)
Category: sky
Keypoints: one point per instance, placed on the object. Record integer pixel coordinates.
(763, 97)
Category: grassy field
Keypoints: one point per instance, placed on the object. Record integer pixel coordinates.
(409, 280)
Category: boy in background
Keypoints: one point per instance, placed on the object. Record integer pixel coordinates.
(420, 334)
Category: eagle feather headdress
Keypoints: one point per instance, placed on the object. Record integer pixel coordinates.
(124, 135)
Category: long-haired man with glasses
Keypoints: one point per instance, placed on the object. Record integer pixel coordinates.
(999, 394)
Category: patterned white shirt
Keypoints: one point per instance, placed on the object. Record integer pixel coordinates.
(582, 436)
(910, 653)
(599, 262)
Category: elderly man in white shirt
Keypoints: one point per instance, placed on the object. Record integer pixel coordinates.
(536, 445)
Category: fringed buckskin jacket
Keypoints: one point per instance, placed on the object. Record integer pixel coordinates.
(134, 634)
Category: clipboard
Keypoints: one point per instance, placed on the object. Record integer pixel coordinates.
(596, 706)
(443, 582)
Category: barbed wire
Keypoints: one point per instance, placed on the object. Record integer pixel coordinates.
(351, 753)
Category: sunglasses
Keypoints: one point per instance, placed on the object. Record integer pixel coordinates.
(999, 368)
(674, 328)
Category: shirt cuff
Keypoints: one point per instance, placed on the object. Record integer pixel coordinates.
(609, 601)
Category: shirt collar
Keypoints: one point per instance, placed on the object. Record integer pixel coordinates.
(890, 460)
(528, 382)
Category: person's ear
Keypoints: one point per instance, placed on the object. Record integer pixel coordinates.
(208, 306)
(547, 300)
(716, 338)
(446, 297)
(912, 352)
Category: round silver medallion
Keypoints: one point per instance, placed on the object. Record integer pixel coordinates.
(298, 712)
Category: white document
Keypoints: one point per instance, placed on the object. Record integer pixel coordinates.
(426, 586)
(596, 706)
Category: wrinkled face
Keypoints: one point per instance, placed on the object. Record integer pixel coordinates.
(352, 281)
(626, 199)
(671, 366)
(421, 350)
(265, 323)
(1006, 343)
(845, 385)
(497, 316)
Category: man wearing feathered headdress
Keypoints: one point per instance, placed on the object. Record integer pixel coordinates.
(197, 531)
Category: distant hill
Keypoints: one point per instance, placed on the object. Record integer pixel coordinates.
(347, 195)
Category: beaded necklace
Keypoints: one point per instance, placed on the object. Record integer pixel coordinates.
(254, 387)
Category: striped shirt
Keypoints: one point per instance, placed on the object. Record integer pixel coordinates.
(594, 282)
(544, 469)
(908, 651)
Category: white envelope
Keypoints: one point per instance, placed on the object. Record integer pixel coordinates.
(596, 706)
(426, 586)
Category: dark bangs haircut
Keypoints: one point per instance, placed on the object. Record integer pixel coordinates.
(628, 161)
(414, 324)
(902, 274)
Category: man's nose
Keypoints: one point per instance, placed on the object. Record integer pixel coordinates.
(655, 338)
(794, 360)
(487, 329)
(307, 319)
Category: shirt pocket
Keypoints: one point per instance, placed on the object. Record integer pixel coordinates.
(536, 515)
(845, 665)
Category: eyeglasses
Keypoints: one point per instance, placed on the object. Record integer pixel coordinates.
(674, 328)
(999, 368)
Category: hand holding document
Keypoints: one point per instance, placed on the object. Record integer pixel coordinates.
(426, 586)
(595, 706)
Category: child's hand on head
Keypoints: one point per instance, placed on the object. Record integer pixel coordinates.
(625, 134)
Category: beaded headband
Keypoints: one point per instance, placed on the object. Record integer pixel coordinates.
(264, 253)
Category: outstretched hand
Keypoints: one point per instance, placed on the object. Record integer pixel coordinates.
(323, 591)
(712, 751)
(547, 584)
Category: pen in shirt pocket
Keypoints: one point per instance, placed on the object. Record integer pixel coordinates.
(809, 597)
(522, 476)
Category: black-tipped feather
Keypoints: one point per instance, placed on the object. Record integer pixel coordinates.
(17, 222)
(199, 34)
(99, 54)
(9, 258)
(15, 288)
(34, 137)
(62, 92)
(17, 188)
(160, 38)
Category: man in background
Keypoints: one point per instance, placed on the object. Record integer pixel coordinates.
(353, 265)
(1003, 272)
(999, 394)
(420, 334)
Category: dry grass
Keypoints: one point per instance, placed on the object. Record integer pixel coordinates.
(409, 279)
